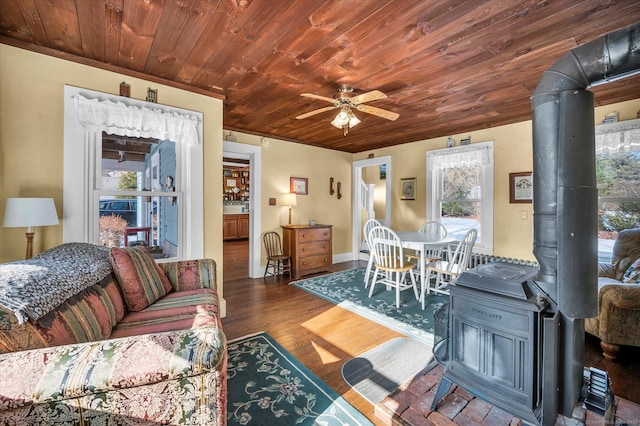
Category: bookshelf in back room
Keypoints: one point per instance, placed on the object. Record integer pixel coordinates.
(235, 194)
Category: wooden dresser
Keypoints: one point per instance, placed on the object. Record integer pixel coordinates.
(309, 247)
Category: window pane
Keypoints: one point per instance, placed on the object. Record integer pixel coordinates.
(138, 218)
(618, 179)
(618, 175)
(461, 183)
(459, 217)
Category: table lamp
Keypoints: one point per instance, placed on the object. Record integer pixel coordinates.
(29, 212)
(289, 200)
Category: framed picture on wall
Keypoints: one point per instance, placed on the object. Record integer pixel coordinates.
(383, 171)
(408, 189)
(298, 185)
(521, 187)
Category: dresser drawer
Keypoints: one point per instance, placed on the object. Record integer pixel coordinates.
(320, 234)
(314, 248)
(313, 262)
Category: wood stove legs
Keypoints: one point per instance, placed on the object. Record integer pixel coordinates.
(443, 388)
(610, 351)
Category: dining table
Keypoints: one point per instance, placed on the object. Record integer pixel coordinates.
(421, 242)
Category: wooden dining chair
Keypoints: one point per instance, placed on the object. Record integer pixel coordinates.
(446, 272)
(368, 226)
(439, 232)
(279, 262)
(391, 266)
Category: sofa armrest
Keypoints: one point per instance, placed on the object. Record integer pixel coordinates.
(618, 314)
(606, 270)
(621, 296)
(191, 274)
(71, 371)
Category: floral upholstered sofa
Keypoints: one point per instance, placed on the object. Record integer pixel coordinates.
(618, 320)
(98, 336)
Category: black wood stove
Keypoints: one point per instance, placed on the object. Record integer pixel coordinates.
(495, 348)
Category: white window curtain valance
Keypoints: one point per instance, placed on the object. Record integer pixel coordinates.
(463, 156)
(620, 141)
(120, 119)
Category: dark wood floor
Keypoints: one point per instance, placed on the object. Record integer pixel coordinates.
(323, 336)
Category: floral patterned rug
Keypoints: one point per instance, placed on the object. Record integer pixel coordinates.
(346, 289)
(268, 386)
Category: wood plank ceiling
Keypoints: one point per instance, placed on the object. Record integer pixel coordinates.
(447, 66)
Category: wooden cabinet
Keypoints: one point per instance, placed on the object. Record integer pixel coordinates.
(235, 226)
(243, 226)
(309, 247)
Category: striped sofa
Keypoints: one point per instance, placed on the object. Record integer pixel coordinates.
(144, 345)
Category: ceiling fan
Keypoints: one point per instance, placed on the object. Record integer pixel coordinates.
(346, 119)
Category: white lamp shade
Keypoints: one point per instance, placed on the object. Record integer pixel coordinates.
(353, 120)
(342, 119)
(289, 199)
(29, 212)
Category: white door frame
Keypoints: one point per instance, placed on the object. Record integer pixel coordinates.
(255, 168)
(357, 167)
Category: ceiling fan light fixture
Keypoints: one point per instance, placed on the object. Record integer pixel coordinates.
(341, 119)
(353, 120)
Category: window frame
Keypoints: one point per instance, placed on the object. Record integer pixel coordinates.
(82, 180)
(484, 244)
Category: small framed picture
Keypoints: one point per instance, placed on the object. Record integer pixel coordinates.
(299, 185)
(408, 189)
(383, 171)
(521, 187)
(231, 182)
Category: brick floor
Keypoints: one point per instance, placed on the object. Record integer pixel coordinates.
(410, 405)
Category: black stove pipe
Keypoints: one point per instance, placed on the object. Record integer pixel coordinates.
(564, 189)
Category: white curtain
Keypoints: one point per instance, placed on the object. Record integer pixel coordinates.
(459, 156)
(618, 137)
(118, 118)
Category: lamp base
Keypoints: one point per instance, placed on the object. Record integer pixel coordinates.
(289, 215)
(29, 253)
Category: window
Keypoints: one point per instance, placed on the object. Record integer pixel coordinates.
(137, 202)
(142, 166)
(460, 191)
(618, 180)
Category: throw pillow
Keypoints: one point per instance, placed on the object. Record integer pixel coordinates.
(633, 273)
(141, 279)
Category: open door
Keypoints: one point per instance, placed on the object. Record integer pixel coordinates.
(371, 197)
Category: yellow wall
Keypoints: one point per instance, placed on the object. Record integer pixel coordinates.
(32, 132)
(31, 152)
(282, 160)
(512, 235)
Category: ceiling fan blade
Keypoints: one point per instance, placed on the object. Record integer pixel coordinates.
(322, 98)
(314, 112)
(378, 111)
(366, 97)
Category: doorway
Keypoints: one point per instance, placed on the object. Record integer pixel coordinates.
(372, 180)
(252, 154)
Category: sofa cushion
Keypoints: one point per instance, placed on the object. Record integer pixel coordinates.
(141, 279)
(190, 274)
(632, 275)
(176, 311)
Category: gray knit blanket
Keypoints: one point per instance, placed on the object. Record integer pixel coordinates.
(33, 288)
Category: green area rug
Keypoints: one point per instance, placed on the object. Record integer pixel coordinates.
(346, 289)
(268, 386)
